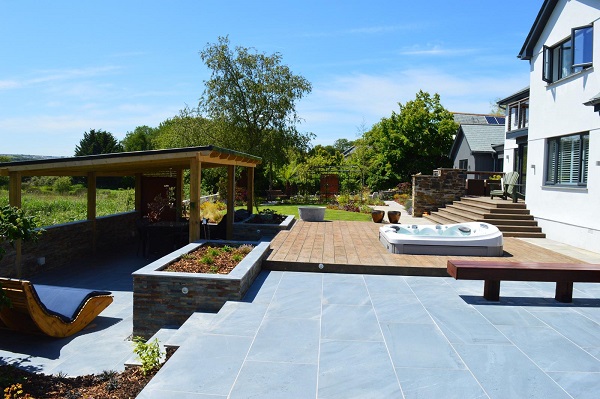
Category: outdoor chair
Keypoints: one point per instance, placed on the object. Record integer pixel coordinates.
(509, 188)
(54, 311)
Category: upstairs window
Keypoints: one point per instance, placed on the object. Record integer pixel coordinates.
(570, 56)
(518, 115)
(567, 160)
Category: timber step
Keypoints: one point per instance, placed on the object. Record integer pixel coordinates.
(512, 219)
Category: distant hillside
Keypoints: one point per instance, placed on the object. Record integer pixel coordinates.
(23, 157)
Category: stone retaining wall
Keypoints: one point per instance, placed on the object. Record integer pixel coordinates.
(168, 299)
(436, 191)
(62, 244)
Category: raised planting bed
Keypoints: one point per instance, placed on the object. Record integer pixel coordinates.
(167, 299)
(251, 229)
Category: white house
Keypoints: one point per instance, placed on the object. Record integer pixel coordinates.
(562, 150)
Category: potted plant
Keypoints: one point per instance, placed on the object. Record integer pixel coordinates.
(377, 215)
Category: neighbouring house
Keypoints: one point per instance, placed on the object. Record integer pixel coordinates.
(479, 142)
(559, 149)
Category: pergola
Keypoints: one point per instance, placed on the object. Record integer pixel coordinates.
(136, 164)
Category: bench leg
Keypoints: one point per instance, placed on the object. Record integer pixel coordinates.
(491, 290)
(564, 291)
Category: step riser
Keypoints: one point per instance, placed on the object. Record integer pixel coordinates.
(514, 220)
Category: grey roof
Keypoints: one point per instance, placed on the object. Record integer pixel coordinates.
(536, 30)
(481, 138)
(519, 95)
(593, 101)
(476, 119)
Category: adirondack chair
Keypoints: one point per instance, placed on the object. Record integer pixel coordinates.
(55, 311)
(509, 187)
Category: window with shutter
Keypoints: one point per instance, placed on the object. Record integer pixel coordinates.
(566, 160)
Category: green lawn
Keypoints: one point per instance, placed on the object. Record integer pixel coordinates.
(330, 214)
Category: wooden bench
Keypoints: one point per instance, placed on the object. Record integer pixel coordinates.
(492, 272)
(274, 194)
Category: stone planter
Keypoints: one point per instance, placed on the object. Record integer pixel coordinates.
(248, 231)
(163, 299)
(377, 216)
(394, 216)
(312, 213)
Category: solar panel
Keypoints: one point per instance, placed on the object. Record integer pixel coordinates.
(491, 120)
(501, 120)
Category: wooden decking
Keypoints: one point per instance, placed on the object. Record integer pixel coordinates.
(354, 247)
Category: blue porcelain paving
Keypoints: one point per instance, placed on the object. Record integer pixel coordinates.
(307, 335)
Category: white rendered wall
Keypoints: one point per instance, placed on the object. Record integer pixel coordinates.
(569, 215)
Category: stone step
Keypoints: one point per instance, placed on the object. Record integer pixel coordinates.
(197, 323)
(500, 222)
(505, 216)
(163, 335)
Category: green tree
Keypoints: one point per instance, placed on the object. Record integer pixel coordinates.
(141, 139)
(251, 98)
(97, 142)
(343, 144)
(188, 129)
(417, 139)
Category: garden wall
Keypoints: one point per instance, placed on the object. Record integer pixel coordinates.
(65, 243)
(431, 192)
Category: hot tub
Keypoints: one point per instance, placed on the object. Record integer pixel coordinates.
(474, 239)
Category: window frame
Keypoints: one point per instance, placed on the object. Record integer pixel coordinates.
(554, 156)
(553, 57)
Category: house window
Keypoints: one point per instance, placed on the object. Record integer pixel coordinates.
(567, 160)
(570, 56)
(518, 115)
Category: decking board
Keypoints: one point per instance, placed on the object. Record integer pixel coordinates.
(356, 246)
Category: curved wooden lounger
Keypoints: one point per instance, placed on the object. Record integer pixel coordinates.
(27, 313)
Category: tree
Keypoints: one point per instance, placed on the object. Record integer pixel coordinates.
(251, 98)
(343, 144)
(417, 139)
(141, 139)
(97, 142)
(188, 129)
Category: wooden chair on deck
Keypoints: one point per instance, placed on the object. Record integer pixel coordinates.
(509, 187)
(55, 311)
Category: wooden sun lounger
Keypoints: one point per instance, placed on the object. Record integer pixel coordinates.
(27, 313)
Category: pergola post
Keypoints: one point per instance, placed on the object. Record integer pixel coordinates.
(195, 176)
(250, 187)
(230, 201)
(14, 199)
(91, 206)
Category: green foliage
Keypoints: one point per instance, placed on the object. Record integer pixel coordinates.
(50, 208)
(188, 129)
(16, 224)
(148, 352)
(207, 260)
(417, 139)
(141, 139)
(62, 185)
(97, 142)
(251, 98)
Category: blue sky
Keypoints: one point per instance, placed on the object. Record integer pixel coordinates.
(67, 67)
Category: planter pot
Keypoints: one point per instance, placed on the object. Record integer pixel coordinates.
(377, 216)
(168, 298)
(394, 216)
(312, 213)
